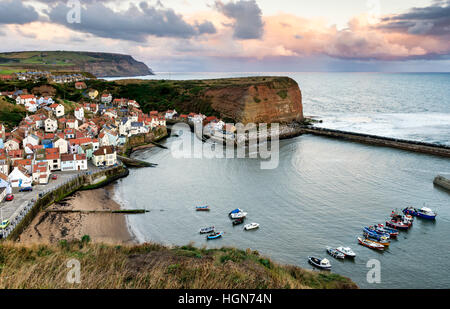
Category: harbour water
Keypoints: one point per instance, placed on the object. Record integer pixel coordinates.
(323, 192)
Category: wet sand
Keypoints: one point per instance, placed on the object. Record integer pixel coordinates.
(101, 227)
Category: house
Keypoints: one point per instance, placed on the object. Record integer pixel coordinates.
(58, 110)
(103, 139)
(30, 139)
(50, 156)
(2, 131)
(137, 128)
(5, 185)
(51, 125)
(104, 156)
(12, 144)
(106, 98)
(80, 85)
(72, 123)
(73, 162)
(31, 106)
(69, 133)
(26, 163)
(41, 173)
(170, 114)
(79, 113)
(25, 98)
(20, 178)
(4, 163)
(62, 144)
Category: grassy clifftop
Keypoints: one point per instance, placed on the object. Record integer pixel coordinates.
(98, 64)
(10, 114)
(152, 266)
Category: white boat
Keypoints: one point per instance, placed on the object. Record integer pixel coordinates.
(319, 263)
(251, 226)
(346, 251)
(238, 215)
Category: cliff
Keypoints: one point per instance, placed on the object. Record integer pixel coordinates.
(245, 100)
(98, 64)
(152, 266)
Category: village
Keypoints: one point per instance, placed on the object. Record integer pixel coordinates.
(51, 144)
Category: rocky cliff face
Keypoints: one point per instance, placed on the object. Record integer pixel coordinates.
(258, 100)
(115, 65)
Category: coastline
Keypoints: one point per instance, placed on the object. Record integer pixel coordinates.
(102, 228)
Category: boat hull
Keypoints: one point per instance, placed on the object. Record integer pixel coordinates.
(419, 214)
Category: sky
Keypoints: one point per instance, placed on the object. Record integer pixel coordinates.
(240, 35)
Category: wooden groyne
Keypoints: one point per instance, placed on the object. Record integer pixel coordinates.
(131, 162)
(442, 182)
(422, 147)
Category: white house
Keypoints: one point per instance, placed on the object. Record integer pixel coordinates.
(25, 98)
(12, 144)
(104, 156)
(31, 106)
(106, 98)
(79, 113)
(41, 173)
(19, 178)
(170, 114)
(137, 128)
(62, 145)
(58, 109)
(30, 139)
(72, 124)
(73, 162)
(51, 125)
(4, 183)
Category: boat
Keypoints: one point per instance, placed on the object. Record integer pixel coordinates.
(400, 217)
(383, 241)
(207, 230)
(379, 231)
(424, 212)
(251, 226)
(319, 263)
(335, 253)
(239, 215)
(375, 235)
(214, 235)
(202, 208)
(397, 225)
(370, 244)
(347, 252)
(238, 221)
(393, 233)
(235, 211)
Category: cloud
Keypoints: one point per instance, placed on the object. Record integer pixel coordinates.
(15, 12)
(432, 20)
(247, 16)
(134, 24)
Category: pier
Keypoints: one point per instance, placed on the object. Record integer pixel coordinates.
(442, 182)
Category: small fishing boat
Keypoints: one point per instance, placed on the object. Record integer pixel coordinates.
(238, 221)
(335, 253)
(375, 235)
(239, 215)
(400, 217)
(214, 235)
(347, 252)
(379, 231)
(319, 263)
(424, 212)
(251, 226)
(382, 241)
(207, 230)
(202, 208)
(370, 244)
(393, 233)
(397, 225)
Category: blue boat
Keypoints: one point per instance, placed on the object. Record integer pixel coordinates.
(202, 208)
(374, 235)
(379, 231)
(236, 211)
(214, 235)
(425, 213)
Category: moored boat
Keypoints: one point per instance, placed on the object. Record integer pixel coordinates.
(239, 215)
(397, 225)
(382, 241)
(348, 252)
(372, 234)
(214, 235)
(370, 244)
(379, 231)
(424, 212)
(251, 226)
(235, 211)
(393, 233)
(335, 253)
(319, 263)
(207, 230)
(202, 208)
(238, 221)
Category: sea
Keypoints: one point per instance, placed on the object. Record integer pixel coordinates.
(324, 191)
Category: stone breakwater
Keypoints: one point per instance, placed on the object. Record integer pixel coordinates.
(442, 182)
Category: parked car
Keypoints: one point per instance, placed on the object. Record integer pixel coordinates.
(9, 197)
(26, 189)
(54, 177)
(4, 224)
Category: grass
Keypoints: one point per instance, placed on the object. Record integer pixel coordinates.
(152, 266)
(10, 113)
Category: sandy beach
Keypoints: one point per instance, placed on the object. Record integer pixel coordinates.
(101, 227)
